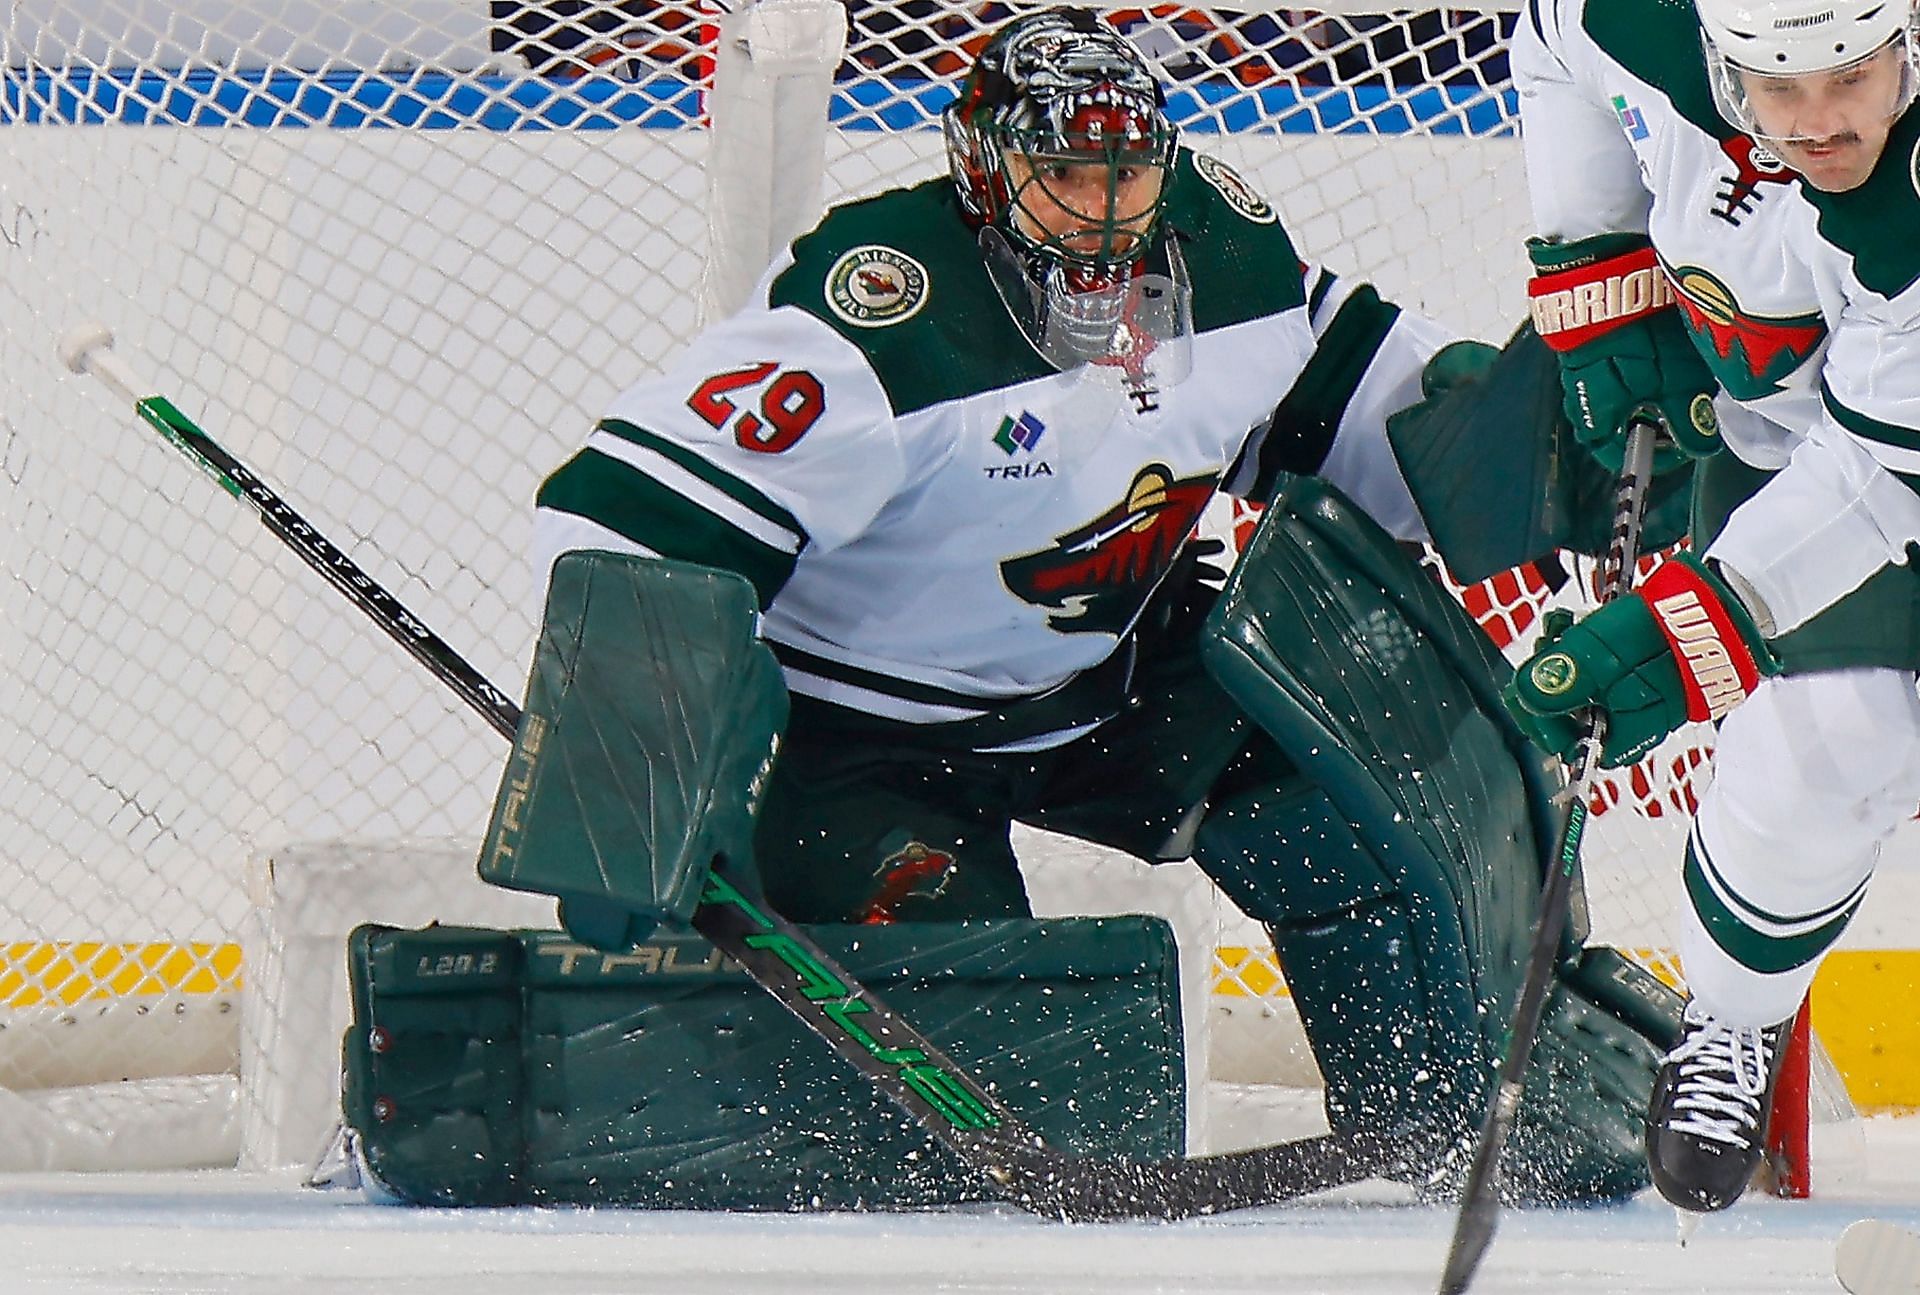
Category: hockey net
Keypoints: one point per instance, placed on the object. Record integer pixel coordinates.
(396, 257)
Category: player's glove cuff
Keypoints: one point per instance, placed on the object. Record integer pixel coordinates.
(1680, 648)
(1605, 306)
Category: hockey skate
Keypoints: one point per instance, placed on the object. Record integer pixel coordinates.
(1707, 1119)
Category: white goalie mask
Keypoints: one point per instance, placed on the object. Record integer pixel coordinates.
(1762, 56)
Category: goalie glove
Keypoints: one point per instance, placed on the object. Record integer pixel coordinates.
(1605, 307)
(1682, 647)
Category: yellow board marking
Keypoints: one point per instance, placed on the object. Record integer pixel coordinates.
(1243, 972)
(61, 973)
(1866, 1010)
(1246, 973)
(1866, 1004)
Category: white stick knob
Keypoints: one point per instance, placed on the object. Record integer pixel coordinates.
(88, 348)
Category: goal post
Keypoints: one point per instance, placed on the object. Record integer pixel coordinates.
(399, 255)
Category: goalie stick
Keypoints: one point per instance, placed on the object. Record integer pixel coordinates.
(900, 1061)
(1876, 1257)
(1479, 1212)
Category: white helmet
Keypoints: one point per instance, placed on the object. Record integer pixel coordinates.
(1787, 38)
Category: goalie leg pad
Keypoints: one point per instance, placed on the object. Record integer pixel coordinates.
(651, 721)
(1400, 877)
(485, 1067)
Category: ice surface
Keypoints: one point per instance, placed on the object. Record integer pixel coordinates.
(223, 1233)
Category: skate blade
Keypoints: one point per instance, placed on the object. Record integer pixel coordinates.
(1875, 1257)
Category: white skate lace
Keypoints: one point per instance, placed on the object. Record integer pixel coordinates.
(1723, 1079)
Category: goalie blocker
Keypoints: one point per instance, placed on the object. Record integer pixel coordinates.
(652, 716)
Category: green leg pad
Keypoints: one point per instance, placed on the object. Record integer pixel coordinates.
(1399, 872)
(662, 1078)
(1376, 963)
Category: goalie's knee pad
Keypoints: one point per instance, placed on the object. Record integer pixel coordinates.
(1400, 874)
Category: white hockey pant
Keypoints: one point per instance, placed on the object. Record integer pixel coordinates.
(1812, 774)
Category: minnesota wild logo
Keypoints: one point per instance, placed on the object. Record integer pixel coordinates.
(1555, 673)
(873, 286)
(1750, 354)
(1094, 578)
(1232, 186)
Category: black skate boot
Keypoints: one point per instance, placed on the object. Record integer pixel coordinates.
(1707, 1120)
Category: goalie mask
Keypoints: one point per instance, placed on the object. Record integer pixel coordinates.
(1811, 78)
(1061, 151)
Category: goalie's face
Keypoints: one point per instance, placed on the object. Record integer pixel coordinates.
(1088, 205)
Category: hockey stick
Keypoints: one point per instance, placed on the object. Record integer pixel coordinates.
(1480, 1197)
(901, 1062)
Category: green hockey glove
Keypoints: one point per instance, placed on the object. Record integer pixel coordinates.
(1604, 305)
(1682, 647)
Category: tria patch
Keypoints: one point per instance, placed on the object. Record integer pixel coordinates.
(1632, 120)
(1240, 195)
(874, 286)
(1022, 433)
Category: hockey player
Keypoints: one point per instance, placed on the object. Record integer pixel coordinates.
(952, 458)
(961, 447)
(1744, 172)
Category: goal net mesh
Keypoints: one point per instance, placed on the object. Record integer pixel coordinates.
(396, 257)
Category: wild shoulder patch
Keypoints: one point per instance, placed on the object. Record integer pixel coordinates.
(1240, 195)
(873, 286)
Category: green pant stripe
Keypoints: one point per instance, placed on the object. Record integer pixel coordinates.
(1757, 950)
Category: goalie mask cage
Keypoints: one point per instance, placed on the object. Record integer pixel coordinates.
(397, 257)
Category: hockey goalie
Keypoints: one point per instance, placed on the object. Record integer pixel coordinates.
(901, 554)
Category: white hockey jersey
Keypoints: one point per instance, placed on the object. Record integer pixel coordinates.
(939, 525)
(1804, 304)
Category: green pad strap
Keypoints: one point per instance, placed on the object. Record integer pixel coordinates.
(651, 722)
